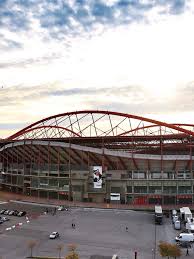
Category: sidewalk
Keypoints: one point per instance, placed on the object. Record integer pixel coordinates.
(7, 196)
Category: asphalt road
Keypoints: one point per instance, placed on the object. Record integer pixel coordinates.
(98, 231)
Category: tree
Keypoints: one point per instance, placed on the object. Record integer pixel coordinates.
(72, 252)
(169, 250)
(31, 245)
(163, 249)
(174, 251)
(60, 248)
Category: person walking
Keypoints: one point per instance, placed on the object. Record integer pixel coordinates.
(187, 253)
(126, 229)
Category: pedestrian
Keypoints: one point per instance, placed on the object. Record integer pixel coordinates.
(187, 253)
(72, 225)
(126, 229)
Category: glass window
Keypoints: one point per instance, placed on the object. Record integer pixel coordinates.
(77, 188)
(19, 180)
(53, 182)
(35, 182)
(155, 189)
(140, 189)
(63, 182)
(184, 189)
(129, 189)
(115, 189)
(44, 182)
(169, 189)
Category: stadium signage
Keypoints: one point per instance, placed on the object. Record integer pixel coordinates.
(97, 177)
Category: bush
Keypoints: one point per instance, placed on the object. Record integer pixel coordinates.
(169, 250)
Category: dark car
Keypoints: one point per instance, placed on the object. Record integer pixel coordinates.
(1, 221)
(2, 211)
(21, 213)
(184, 244)
(4, 219)
(16, 212)
(61, 208)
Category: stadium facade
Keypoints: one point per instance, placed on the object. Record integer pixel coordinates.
(101, 156)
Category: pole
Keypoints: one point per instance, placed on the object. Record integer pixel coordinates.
(135, 254)
(155, 242)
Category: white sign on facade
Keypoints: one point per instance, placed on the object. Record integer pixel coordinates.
(97, 176)
(115, 196)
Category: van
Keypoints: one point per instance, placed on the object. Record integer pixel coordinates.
(175, 218)
(184, 237)
(190, 227)
(185, 213)
(177, 225)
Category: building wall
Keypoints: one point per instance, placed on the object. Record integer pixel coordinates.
(135, 187)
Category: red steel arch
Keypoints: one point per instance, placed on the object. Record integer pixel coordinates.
(88, 123)
(73, 134)
(135, 130)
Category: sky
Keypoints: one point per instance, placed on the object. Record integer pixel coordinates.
(131, 56)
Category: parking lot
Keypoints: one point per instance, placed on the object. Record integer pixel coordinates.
(97, 231)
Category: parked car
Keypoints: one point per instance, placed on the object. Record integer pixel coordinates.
(61, 208)
(173, 213)
(1, 221)
(54, 235)
(175, 218)
(11, 212)
(2, 211)
(166, 213)
(6, 212)
(21, 213)
(16, 212)
(177, 225)
(4, 219)
(184, 237)
(184, 244)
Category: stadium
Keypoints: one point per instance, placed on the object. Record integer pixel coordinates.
(101, 156)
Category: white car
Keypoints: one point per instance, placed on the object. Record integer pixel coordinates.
(54, 235)
(60, 208)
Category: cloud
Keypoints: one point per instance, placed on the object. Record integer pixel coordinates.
(132, 99)
(58, 17)
(8, 44)
(13, 16)
(53, 56)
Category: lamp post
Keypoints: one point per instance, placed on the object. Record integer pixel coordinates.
(154, 254)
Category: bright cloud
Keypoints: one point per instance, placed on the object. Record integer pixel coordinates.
(60, 55)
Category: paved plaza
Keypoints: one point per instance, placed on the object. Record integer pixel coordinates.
(97, 231)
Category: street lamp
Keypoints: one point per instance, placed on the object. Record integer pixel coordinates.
(152, 253)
